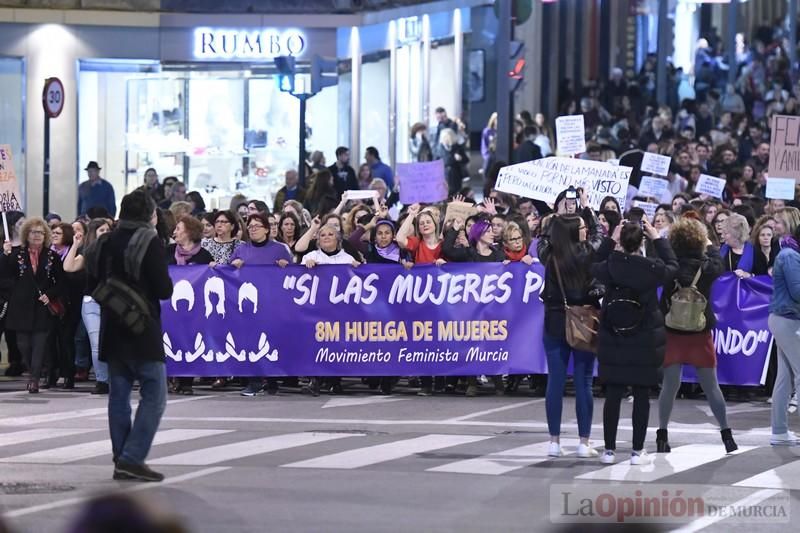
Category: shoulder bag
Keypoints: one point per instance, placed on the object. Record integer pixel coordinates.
(582, 321)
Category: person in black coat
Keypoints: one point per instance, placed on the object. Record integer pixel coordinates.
(632, 337)
(133, 254)
(38, 282)
(698, 260)
(187, 250)
(527, 150)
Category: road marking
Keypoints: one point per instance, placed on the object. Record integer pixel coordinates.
(783, 477)
(701, 430)
(239, 450)
(136, 488)
(679, 460)
(365, 400)
(748, 501)
(506, 461)
(734, 409)
(381, 453)
(495, 410)
(29, 420)
(35, 435)
(87, 450)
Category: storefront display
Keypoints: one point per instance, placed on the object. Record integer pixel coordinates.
(12, 90)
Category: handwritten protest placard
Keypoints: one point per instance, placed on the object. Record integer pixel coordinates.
(710, 185)
(9, 187)
(784, 147)
(544, 179)
(360, 195)
(656, 164)
(422, 182)
(649, 208)
(780, 188)
(460, 210)
(651, 187)
(570, 135)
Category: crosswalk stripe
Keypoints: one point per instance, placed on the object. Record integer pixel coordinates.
(783, 477)
(240, 450)
(664, 464)
(380, 453)
(505, 461)
(35, 435)
(78, 452)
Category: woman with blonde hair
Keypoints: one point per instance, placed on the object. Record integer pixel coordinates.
(699, 264)
(787, 220)
(738, 255)
(37, 275)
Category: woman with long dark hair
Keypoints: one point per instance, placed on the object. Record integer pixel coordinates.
(322, 197)
(632, 337)
(567, 256)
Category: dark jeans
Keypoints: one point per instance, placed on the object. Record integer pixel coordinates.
(33, 346)
(83, 348)
(641, 415)
(62, 363)
(131, 442)
(14, 354)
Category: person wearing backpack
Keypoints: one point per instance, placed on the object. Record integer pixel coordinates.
(567, 257)
(689, 320)
(632, 337)
(130, 265)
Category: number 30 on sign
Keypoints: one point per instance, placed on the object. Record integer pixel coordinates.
(53, 97)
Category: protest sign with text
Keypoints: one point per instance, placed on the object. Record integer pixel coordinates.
(422, 182)
(656, 164)
(10, 199)
(652, 187)
(780, 188)
(459, 210)
(710, 185)
(544, 179)
(570, 135)
(784, 147)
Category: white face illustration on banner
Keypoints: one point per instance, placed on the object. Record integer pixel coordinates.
(183, 291)
(214, 286)
(248, 292)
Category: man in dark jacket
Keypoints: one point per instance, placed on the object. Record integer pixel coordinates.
(133, 254)
(527, 150)
(290, 191)
(344, 177)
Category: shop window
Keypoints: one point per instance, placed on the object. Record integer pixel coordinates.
(12, 89)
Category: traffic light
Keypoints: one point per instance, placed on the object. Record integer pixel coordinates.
(324, 73)
(516, 69)
(286, 70)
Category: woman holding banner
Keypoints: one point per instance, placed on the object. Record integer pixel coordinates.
(567, 257)
(738, 254)
(632, 337)
(784, 322)
(699, 265)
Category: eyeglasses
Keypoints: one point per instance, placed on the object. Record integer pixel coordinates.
(252, 227)
(36, 232)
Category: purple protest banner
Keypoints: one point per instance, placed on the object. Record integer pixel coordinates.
(422, 182)
(374, 320)
(741, 337)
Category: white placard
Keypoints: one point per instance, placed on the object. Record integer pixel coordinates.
(651, 187)
(711, 186)
(780, 188)
(544, 179)
(570, 135)
(656, 164)
(6, 234)
(649, 208)
(360, 195)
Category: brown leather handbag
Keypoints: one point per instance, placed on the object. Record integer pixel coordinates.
(582, 321)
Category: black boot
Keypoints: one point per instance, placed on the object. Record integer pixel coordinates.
(727, 440)
(662, 441)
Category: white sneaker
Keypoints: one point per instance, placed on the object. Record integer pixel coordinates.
(554, 450)
(784, 439)
(608, 457)
(640, 458)
(585, 451)
(793, 400)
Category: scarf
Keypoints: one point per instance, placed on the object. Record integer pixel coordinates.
(516, 256)
(391, 252)
(182, 256)
(790, 242)
(746, 262)
(33, 254)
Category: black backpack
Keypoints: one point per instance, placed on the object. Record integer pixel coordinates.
(623, 312)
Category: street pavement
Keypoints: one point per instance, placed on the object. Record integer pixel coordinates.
(361, 462)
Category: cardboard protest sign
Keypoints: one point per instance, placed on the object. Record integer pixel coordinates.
(461, 210)
(422, 182)
(710, 185)
(651, 187)
(10, 199)
(656, 164)
(360, 195)
(780, 188)
(570, 135)
(784, 147)
(649, 208)
(544, 179)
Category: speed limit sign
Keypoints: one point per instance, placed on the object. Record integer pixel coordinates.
(53, 97)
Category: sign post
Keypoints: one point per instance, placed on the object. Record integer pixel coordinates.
(53, 103)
